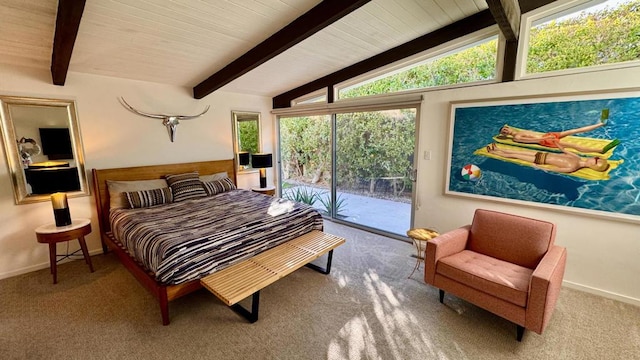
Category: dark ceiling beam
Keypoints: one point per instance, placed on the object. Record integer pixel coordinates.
(528, 5)
(450, 32)
(507, 16)
(509, 61)
(314, 20)
(67, 24)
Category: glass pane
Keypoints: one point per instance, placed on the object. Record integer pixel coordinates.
(470, 64)
(305, 154)
(313, 100)
(604, 34)
(374, 157)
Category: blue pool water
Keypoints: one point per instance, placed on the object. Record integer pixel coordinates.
(474, 127)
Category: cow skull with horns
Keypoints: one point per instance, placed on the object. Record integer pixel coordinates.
(170, 121)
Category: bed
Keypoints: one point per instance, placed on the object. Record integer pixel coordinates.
(154, 251)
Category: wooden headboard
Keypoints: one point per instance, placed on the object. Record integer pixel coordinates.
(100, 177)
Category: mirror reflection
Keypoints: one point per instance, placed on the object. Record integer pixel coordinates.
(246, 137)
(43, 148)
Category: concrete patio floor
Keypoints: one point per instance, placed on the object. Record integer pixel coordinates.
(382, 214)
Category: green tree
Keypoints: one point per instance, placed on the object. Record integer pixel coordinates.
(603, 37)
(305, 147)
(473, 64)
(372, 145)
(248, 136)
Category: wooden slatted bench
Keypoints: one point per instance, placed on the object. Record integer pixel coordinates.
(248, 277)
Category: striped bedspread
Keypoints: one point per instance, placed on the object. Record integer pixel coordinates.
(188, 240)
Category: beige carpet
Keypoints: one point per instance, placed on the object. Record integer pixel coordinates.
(365, 309)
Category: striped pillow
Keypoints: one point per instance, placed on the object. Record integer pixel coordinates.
(146, 198)
(117, 190)
(218, 186)
(185, 186)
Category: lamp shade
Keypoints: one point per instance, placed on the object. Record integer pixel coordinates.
(261, 160)
(243, 158)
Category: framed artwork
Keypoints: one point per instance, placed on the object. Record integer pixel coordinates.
(577, 152)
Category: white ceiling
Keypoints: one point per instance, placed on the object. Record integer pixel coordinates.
(182, 42)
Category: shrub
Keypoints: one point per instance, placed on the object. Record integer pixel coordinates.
(327, 203)
(301, 194)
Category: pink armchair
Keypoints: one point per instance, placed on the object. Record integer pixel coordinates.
(505, 264)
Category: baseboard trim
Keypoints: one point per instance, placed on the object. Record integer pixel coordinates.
(44, 265)
(602, 293)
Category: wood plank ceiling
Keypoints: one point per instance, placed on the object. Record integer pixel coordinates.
(184, 42)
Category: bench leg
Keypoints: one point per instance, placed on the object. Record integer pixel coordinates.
(252, 315)
(326, 270)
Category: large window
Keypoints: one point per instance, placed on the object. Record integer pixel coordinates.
(466, 63)
(315, 97)
(580, 34)
(355, 165)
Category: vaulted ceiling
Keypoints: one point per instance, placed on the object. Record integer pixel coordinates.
(262, 47)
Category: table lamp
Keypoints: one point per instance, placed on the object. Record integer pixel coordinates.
(61, 209)
(262, 162)
(243, 159)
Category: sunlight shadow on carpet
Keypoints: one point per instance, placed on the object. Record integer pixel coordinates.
(392, 328)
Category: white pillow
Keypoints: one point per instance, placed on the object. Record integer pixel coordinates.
(118, 188)
(213, 177)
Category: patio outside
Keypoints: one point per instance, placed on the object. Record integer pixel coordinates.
(383, 209)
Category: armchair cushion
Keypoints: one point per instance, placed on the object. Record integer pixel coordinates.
(507, 281)
(512, 238)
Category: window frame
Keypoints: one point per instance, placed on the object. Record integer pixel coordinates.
(549, 12)
(308, 98)
(432, 54)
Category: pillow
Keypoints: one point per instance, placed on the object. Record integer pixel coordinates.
(118, 188)
(218, 186)
(185, 186)
(212, 177)
(146, 198)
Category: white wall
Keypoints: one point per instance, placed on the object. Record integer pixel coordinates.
(115, 137)
(603, 254)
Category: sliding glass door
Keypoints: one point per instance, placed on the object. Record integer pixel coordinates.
(374, 160)
(354, 167)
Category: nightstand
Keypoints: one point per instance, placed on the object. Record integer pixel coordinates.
(269, 190)
(52, 234)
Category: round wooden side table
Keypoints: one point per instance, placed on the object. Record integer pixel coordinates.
(52, 234)
(269, 190)
(420, 236)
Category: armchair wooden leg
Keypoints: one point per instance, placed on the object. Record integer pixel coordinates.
(441, 296)
(519, 332)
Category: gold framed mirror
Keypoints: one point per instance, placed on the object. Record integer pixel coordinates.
(247, 137)
(43, 148)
